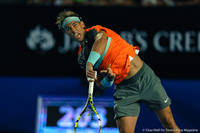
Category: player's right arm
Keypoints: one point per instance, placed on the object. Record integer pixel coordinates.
(97, 50)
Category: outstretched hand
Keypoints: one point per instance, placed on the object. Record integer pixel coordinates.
(108, 72)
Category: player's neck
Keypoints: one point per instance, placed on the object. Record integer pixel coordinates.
(84, 42)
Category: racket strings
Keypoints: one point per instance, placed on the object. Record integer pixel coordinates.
(88, 123)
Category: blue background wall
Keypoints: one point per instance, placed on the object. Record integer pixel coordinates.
(19, 97)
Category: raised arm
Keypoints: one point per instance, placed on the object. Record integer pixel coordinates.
(97, 50)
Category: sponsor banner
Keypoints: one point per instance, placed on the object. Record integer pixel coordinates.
(32, 45)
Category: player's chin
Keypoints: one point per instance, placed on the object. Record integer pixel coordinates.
(79, 40)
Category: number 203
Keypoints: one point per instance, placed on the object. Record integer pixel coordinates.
(71, 114)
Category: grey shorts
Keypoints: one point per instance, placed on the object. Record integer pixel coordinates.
(145, 87)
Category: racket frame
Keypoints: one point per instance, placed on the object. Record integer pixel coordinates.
(89, 101)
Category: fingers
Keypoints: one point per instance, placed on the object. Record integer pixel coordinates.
(108, 72)
(109, 65)
(111, 76)
(91, 75)
(105, 71)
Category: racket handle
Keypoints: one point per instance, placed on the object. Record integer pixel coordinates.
(91, 84)
(91, 88)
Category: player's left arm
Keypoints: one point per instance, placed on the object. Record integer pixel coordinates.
(98, 81)
(105, 78)
(97, 50)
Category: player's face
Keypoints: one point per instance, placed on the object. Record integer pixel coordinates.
(75, 30)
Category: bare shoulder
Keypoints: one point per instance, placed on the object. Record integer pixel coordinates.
(101, 34)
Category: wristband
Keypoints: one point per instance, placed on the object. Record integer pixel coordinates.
(93, 57)
(106, 83)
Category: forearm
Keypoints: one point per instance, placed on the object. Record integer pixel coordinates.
(99, 80)
(104, 83)
(99, 85)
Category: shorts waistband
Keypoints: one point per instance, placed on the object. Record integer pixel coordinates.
(136, 76)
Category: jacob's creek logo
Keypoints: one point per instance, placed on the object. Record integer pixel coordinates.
(40, 40)
(164, 41)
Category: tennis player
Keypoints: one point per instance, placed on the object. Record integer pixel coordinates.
(118, 62)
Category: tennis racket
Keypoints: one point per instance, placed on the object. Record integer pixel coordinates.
(88, 111)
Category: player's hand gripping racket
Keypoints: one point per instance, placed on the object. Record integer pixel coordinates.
(88, 114)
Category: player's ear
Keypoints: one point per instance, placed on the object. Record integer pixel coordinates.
(83, 24)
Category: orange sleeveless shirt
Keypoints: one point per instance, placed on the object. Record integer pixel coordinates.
(118, 53)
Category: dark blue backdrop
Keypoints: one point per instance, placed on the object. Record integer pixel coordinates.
(19, 97)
